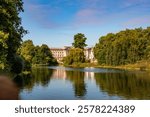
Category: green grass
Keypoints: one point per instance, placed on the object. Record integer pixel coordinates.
(81, 65)
(140, 65)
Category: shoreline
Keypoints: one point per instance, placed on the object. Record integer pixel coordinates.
(141, 66)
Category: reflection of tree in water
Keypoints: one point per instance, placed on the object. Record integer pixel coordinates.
(77, 78)
(24, 81)
(38, 76)
(42, 76)
(128, 85)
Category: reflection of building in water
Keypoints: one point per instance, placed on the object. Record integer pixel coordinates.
(60, 53)
(61, 74)
(89, 75)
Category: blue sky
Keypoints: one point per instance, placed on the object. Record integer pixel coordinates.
(55, 22)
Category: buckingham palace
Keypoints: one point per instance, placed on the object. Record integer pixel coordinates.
(60, 53)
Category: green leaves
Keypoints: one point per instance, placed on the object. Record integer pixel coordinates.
(76, 55)
(11, 30)
(36, 54)
(27, 50)
(79, 41)
(3, 48)
(122, 48)
(3, 39)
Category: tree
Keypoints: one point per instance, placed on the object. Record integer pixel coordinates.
(36, 58)
(43, 55)
(11, 24)
(79, 41)
(18, 65)
(124, 47)
(27, 50)
(35, 54)
(76, 55)
(3, 48)
(46, 55)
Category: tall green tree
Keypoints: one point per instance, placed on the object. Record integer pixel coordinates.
(11, 24)
(43, 55)
(79, 41)
(27, 50)
(36, 54)
(76, 55)
(37, 58)
(124, 47)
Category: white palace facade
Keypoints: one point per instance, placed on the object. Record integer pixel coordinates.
(60, 53)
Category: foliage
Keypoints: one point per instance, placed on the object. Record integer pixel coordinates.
(35, 54)
(11, 30)
(36, 59)
(76, 55)
(3, 48)
(27, 50)
(125, 47)
(79, 41)
(17, 65)
(43, 55)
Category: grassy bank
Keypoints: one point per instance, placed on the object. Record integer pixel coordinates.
(82, 65)
(141, 65)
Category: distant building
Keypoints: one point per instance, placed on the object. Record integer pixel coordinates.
(60, 53)
(89, 54)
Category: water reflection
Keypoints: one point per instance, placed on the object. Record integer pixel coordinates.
(77, 79)
(67, 83)
(42, 76)
(126, 84)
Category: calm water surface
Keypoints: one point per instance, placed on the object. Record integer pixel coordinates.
(63, 83)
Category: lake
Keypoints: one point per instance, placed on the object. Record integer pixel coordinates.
(62, 83)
